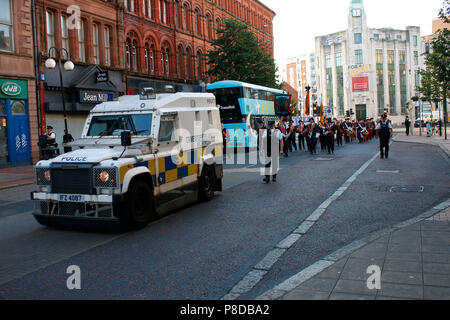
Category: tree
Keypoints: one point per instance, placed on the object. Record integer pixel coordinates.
(436, 77)
(238, 56)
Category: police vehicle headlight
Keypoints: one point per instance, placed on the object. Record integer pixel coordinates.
(104, 176)
(43, 176)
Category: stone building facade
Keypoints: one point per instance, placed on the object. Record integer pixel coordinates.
(367, 70)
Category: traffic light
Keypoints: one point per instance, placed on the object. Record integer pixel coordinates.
(347, 114)
(351, 112)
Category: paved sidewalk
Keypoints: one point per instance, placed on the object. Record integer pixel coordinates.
(414, 261)
(416, 138)
(16, 176)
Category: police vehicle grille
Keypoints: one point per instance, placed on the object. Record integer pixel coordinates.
(111, 183)
(71, 209)
(72, 181)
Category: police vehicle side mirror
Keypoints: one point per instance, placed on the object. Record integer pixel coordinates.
(125, 138)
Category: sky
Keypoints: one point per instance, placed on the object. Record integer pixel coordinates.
(298, 22)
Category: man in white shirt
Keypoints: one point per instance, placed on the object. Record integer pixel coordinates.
(270, 152)
(51, 136)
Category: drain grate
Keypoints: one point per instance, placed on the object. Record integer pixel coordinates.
(324, 159)
(388, 171)
(414, 189)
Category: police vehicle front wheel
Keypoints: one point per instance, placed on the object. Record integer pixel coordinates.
(139, 206)
(207, 184)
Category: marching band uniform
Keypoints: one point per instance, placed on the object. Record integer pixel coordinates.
(329, 131)
(313, 130)
(285, 133)
(292, 129)
(301, 136)
(339, 134)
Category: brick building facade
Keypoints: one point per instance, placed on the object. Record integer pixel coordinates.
(167, 40)
(18, 117)
(92, 32)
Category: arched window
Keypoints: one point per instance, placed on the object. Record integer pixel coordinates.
(165, 59)
(198, 21)
(186, 15)
(188, 63)
(180, 61)
(134, 56)
(199, 65)
(208, 26)
(128, 53)
(152, 58)
(218, 25)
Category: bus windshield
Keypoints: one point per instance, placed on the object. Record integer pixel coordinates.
(227, 100)
(138, 124)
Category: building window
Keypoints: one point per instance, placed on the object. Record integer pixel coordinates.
(50, 30)
(107, 47)
(416, 57)
(388, 36)
(188, 63)
(358, 38)
(199, 65)
(390, 55)
(146, 58)
(6, 26)
(128, 56)
(81, 47)
(399, 37)
(402, 57)
(415, 41)
(152, 59)
(95, 43)
(198, 21)
(328, 61)
(358, 57)
(339, 59)
(163, 11)
(376, 36)
(64, 36)
(379, 56)
(134, 56)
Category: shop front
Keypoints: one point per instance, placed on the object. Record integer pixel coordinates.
(85, 87)
(15, 146)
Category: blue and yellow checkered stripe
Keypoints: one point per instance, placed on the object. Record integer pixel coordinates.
(170, 171)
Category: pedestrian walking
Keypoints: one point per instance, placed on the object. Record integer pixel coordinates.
(384, 132)
(407, 125)
(272, 143)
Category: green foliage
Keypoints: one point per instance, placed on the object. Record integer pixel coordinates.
(238, 56)
(436, 78)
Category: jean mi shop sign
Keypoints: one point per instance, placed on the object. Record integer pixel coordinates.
(93, 97)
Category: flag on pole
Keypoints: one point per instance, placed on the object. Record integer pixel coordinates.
(307, 104)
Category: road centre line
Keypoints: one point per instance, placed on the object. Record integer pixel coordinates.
(256, 274)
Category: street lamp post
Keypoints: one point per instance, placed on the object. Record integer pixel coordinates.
(50, 63)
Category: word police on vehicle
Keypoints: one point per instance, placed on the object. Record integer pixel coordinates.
(138, 158)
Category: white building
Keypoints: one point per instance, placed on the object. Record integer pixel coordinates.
(368, 70)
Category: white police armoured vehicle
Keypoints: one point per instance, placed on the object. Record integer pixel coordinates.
(138, 158)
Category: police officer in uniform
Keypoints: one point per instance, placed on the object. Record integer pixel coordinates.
(384, 132)
(271, 140)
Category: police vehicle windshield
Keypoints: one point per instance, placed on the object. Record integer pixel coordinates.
(113, 125)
